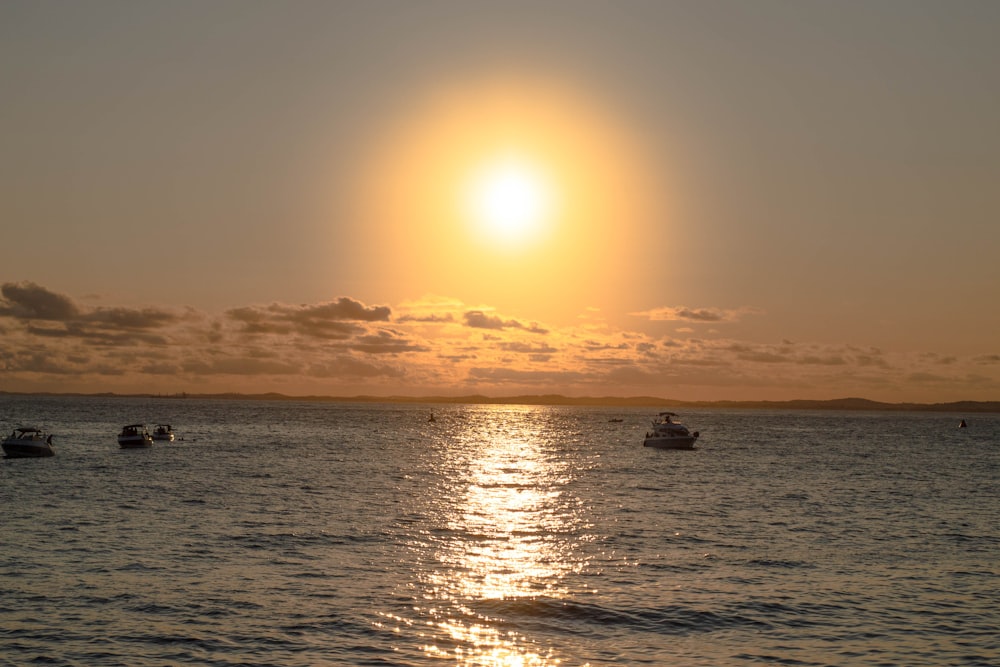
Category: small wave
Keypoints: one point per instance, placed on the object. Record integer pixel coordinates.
(778, 563)
(770, 659)
(138, 567)
(156, 609)
(568, 614)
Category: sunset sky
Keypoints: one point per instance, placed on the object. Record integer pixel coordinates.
(692, 200)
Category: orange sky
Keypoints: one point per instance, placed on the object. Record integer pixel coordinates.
(695, 201)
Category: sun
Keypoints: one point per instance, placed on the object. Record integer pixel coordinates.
(510, 199)
(505, 190)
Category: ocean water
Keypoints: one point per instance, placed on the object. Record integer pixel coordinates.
(289, 533)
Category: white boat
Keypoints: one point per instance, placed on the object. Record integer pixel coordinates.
(134, 435)
(27, 442)
(163, 432)
(668, 433)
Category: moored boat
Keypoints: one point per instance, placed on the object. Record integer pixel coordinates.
(163, 432)
(133, 436)
(27, 442)
(668, 433)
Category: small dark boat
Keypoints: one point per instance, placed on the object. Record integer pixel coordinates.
(27, 442)
(670, 434)
(134, 436)
(163, 432)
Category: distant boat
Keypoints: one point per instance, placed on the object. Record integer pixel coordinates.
(963, 424)
(27, 442)
(163, 432)
(615, 421)
(669, 434)
(134, 436)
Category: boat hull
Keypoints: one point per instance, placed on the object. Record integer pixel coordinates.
(164, 437)
(134, 442)
(670, 442)
(27, 450)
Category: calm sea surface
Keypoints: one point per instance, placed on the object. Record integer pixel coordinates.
(286, 533)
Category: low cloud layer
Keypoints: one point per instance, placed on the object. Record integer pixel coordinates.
(50, 342)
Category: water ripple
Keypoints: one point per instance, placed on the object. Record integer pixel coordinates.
(497, 536)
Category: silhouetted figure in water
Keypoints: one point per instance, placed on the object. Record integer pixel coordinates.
(432, 418)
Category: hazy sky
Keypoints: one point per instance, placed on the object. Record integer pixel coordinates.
(693, 200)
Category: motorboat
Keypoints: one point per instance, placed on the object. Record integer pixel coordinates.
(668, 433)
(163, 432)
(133, 436)
(27, 442)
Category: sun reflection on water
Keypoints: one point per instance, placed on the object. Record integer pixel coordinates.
(508, 528)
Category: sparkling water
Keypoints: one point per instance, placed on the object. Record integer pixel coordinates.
(307, 533)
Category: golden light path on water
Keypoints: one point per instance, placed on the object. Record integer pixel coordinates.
(509, 530)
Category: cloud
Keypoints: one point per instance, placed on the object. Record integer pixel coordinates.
(239, 365)
(386, 342)
(26, 300)
(258, 321)
(45, 314)
(437, 345)
(350, 367)
(50, 361)
(698, 315)
(345, 308)
(763, 357)
(334, 320)
(597, 345)
(526, 348)
(432, 318)
(507, 376)
(834, 360)
(129, 318)
(873, 358)
(477, 319)
(161, 368)
(98, 336)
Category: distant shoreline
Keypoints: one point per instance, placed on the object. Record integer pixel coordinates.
(556, 399)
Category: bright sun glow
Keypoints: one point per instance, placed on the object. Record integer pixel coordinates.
(506, 192)
(510, 199)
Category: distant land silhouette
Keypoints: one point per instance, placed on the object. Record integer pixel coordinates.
(557, 399)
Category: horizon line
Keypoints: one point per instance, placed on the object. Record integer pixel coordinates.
(850, 403)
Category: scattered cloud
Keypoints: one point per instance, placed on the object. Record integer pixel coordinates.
(28, 301)
(350, 367)
(129, 318)
(386, 342)
(46, 314)
(478, 319)
(695, 315)
(523, 378)
(439, 345)
(334, 320)
(243, 365)
(431, 318)
(526, 348)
